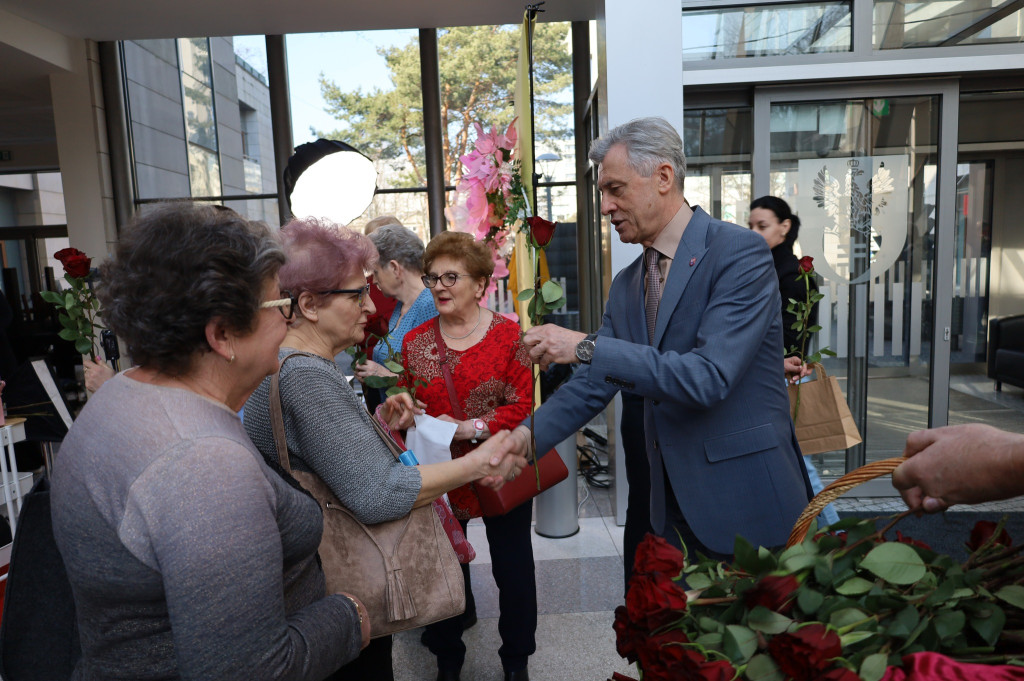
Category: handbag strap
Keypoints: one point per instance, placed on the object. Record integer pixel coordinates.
(277, 420)
(442, 358)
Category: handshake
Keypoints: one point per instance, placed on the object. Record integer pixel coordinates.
(501, 457)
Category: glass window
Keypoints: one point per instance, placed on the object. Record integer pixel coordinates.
(200, 121)
(766, 30)
(717, 143)
(194, 57)
(203, 171)
(899, 24)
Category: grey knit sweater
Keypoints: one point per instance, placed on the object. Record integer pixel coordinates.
(188, 557)
(329, 433)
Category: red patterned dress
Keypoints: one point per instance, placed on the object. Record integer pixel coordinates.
(492, 381)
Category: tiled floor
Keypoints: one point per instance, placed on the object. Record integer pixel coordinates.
(579, 578)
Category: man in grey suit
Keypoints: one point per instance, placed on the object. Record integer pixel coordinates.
(693, 326)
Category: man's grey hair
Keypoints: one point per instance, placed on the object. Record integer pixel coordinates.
(649, 142)
(397, 242)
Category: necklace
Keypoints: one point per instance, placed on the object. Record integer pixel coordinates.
(479, 316)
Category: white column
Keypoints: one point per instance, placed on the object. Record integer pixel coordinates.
(82, 150)
(640, 65)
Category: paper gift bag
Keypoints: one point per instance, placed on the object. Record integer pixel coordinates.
(823, 422)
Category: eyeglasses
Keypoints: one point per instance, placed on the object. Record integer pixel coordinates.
(448, 279)
(362, 292)
(286, 306)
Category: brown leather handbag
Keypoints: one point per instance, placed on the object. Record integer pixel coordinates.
(525, 486)
(404, 571)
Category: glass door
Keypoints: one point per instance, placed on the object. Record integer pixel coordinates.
(862, 173)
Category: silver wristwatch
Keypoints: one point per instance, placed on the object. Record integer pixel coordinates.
(585, 349)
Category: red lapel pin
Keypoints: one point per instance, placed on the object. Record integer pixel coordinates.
(693, 261)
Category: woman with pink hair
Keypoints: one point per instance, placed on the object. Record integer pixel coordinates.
(328, 430)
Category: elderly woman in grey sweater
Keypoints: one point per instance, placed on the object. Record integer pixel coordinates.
(188, 557)
(328, 431)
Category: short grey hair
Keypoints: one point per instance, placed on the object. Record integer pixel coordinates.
(649, 142)
(397, 242)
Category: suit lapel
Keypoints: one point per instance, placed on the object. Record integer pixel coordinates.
(688, 256)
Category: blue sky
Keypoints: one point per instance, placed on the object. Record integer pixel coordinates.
(350, 59)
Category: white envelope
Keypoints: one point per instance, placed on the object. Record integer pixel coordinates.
(430, 439)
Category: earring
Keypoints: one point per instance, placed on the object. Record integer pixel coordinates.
(232, 358)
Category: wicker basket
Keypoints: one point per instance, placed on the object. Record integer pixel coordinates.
(837, 489)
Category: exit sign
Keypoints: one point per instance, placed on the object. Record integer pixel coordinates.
(5, 155)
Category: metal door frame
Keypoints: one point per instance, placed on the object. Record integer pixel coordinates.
(948, 92)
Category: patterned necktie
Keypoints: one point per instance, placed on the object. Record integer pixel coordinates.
(653, 291)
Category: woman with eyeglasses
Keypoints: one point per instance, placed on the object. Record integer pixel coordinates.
(188, 557)
(492, 379)
(399, 275)
(328, 430)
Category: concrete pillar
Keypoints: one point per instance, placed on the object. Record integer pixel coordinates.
(78, 117)
(640, 65)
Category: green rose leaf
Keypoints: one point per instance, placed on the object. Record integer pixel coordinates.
(1013, 594)
(762, 668)
(850, 638)
(896, 563)
(988, 621)
(949, 623)
(854, 587)
(525, 294)
(550, 291)
(710, 640)
(809, 600)
(380, 382)
(873, 667)
(764, 620)
(709, 623)
(394, 366)
(698, 581)
(846, 616)
(67, 334)
(83, 346)
(904, 622)
(739, 643)
(396, 390)
(52, 297)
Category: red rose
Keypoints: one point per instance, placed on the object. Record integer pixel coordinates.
(807, 264)
(805, 653)
(621, 677)
(377, 324)
(900, 537)
(654, 601)
(541, 230)
(983, 532)
(775, 592)
(77, 266)
(627, 635)
(654, 554)
(839, 674)
(65, 253)
(665, 658)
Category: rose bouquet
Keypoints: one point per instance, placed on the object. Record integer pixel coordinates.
(78, 305)
(842, 605)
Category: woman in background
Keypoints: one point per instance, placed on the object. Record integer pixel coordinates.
(398, 274)
(772, 218)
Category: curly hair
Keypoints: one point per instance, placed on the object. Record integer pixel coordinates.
(463, 248)
(177, 266)
(322, 255)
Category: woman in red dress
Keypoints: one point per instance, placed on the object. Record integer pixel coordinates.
(492, 379)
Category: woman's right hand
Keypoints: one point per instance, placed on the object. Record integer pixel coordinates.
(497, 460)
(96, 373)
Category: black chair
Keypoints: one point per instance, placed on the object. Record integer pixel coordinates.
(1006, 351)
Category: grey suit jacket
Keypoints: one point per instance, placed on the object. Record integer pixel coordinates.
(716, 412)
